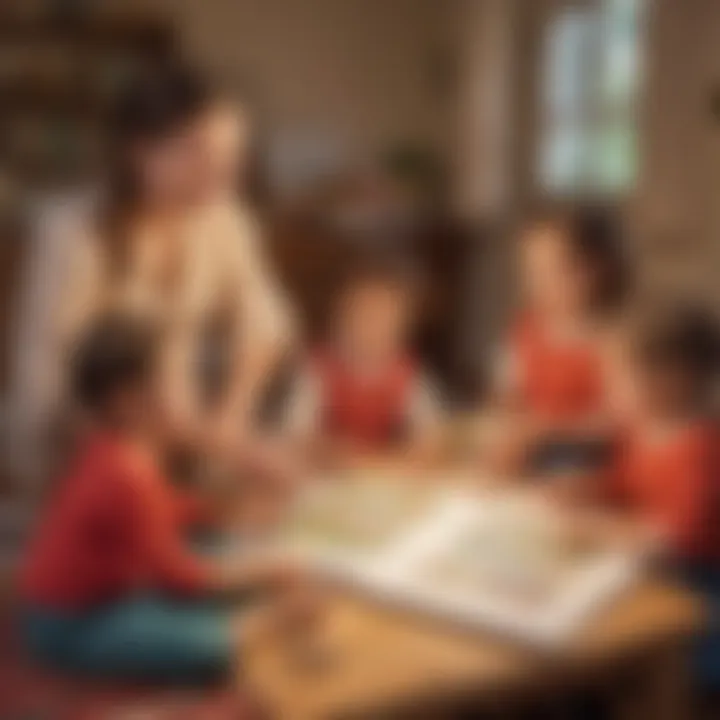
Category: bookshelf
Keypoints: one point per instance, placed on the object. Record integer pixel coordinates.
(57, 76)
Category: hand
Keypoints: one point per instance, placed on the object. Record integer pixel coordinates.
(333, 454)
(511, 443)
(274, 576)
(270, 459)
(567, 490)
(225, 432)
(506, 456)
(291, 619)
(281, 577)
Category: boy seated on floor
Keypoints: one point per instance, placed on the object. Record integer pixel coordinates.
(110, 586)
(667, 468)
(363, 393)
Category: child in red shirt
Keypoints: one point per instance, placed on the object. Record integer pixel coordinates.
(667, 470)
(552, 384)
(109, 585)
(362, 392)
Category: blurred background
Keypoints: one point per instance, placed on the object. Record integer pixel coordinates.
(438, 124)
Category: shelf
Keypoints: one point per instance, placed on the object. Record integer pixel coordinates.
(25, 98)
(54, 95)
(105, 33)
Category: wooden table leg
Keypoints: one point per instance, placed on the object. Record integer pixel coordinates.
(662, 690)
(670, 690)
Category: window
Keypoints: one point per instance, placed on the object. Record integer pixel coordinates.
(590, 83)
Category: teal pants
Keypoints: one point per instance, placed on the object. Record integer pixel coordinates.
(144, 638)
(705, 580)
(141, 638)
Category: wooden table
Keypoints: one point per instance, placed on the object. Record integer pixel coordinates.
(392, 662)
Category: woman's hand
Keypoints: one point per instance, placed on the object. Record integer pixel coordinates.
(246, 452)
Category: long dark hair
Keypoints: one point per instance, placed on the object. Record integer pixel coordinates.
(685, 336)
(154, 105)
(595, 237)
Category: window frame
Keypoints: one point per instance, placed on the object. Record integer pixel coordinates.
(595, 118)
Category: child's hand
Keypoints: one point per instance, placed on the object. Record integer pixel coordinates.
(567, 490)
(281, 577)
(272, 576)
(507, 454)
(511, 442)
(292, 619)
(272, 460)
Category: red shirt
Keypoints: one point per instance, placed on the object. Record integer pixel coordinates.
(115, 526)
(673, 483)
(371, 412)
(559, 380)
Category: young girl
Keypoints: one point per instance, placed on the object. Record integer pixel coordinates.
(362, 393)
(667, 471)
(553, 380)
(109, 585)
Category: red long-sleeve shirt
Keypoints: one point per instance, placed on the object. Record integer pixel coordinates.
(674, 482)
(115, 526)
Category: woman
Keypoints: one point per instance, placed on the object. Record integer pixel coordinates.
(163, 239)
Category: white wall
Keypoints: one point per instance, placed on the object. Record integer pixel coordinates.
(359, 69)
(485, 161)
(676, 212)
(485, 128)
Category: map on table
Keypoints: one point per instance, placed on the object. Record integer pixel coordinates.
(494, 560)
(358, 519)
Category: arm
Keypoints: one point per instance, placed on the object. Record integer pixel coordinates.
(154, 525)
(302, 415)
(303, 423)
(425, 422)
(261, 319)
(192, 510)
(689, 508)
(513, 430)
(676, 525)
(506, 379)
(259, 330)
(151, 516)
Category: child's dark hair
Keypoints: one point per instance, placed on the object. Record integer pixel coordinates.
(685, 338)
(596, 239)
(116, 352)
(380, 268)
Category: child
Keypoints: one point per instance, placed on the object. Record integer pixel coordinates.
(109, 586)
(668, 471)
(666, 468)
(553, 381)
(363, 393)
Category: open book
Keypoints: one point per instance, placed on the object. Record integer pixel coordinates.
(497, 560)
